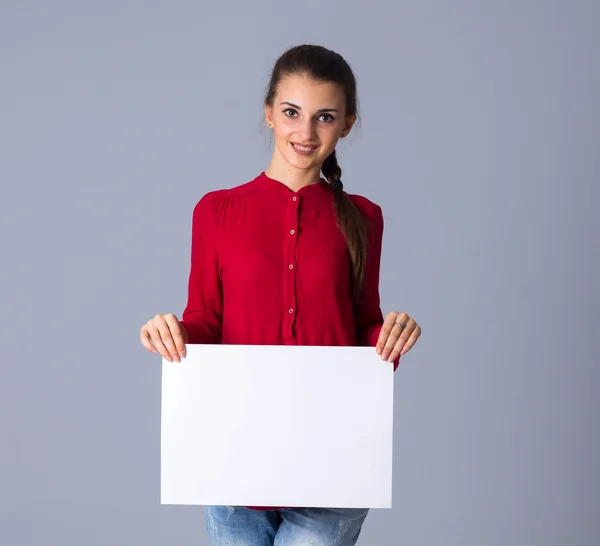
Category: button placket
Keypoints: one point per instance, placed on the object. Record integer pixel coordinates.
(291, 264)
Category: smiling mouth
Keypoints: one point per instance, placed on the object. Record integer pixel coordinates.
(304, 150)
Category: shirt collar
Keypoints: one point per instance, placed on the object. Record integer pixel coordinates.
(264, 182)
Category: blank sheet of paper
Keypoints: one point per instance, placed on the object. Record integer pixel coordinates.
(280, 426)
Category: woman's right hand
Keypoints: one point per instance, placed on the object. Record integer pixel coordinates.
(164, 334)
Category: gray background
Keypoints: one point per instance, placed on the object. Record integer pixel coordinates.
(480, 140)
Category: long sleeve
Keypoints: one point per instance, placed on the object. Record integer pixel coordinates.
(202, 317)
(368, 317)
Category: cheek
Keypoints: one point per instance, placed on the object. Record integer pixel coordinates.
(284, 131)
(329, 136)
(284, 128)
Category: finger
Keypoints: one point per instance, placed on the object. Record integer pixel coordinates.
(167, 337)
(404, 337)
(386, 329)
(157, 339)
(396, 351)
(145, 339)
(411, 340)
(176, 334)
(403, 319)
(392, 340)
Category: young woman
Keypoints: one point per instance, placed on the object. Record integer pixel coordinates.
(289, 258)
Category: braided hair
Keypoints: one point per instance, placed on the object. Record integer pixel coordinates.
(350, 221)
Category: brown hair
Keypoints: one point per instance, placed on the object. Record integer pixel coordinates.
(323, 65)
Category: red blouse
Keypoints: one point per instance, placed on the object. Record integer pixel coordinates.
(269, 266)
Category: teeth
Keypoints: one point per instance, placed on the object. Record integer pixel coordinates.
(303, 148)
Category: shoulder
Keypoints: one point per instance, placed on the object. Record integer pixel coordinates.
(371, 211)
(216, 200)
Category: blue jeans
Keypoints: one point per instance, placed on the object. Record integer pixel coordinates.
(240, 526)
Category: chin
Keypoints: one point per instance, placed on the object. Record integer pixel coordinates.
(306, 166)
(301, 163)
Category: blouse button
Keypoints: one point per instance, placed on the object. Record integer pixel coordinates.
(290, 311)
(294, 198)
(291, 266)
(292, 231)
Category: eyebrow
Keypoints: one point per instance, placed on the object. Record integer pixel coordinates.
(320, 111)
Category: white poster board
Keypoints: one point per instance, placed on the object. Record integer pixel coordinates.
(277, 426)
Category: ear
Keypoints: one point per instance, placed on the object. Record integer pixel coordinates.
(268, 116)
(350, 121)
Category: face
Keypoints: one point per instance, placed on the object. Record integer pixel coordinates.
(308, 118)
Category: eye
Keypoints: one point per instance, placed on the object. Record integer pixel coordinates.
(328, 118)
(289, 112)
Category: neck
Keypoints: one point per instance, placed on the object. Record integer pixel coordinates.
(279, 169)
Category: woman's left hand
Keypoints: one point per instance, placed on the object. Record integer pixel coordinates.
(398, 335)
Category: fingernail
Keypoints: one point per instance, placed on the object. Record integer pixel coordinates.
(378, 351)
(182, 353)
(169, 359)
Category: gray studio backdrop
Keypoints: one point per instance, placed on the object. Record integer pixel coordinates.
(480, 139)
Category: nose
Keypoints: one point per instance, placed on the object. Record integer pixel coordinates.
(306, 130)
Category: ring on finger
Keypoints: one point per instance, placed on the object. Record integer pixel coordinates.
(401, 324)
